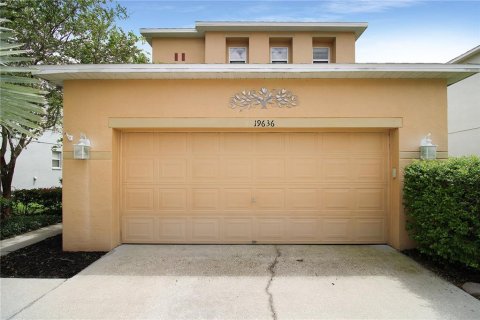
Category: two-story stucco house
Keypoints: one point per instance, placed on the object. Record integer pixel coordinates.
(247, 132)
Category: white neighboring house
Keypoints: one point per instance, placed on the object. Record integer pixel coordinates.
(464, 110)
(40, 163)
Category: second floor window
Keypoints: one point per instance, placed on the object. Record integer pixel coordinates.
(321, 55)
(279, 55)
(237, 55)
(56, 159)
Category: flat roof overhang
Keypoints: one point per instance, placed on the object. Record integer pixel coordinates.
(252, 26)
(452, 73)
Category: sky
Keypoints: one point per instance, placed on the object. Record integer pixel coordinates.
(399, 31)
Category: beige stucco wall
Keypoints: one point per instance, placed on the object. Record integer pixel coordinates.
(164, 49)
(90, 187)
(213, 47)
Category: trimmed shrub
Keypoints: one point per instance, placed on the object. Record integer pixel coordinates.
(33, 201)
(442, 202)
(19, 224)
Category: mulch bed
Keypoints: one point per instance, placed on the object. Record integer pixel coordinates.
(46, 259)
(453, 273)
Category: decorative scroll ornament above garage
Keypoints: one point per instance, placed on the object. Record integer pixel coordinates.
(263, 98)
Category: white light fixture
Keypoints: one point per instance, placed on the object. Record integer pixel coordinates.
(428, 150)
(81, 150)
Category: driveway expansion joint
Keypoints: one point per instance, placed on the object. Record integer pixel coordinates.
(271, 270)
(33, 302)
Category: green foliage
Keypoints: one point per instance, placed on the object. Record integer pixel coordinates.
(74, 31)
(34, 201)
(442, 201)
(19, 224)
(5, 203)
(20, 208)
(56, 32)
(21, 103)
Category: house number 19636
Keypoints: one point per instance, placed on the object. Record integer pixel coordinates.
(264, 123)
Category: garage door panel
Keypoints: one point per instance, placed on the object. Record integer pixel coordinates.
(205, 199)
(302, 143)
(270, 143)
(302, 169)
(371, 199)
(336, 143)
(303, 229)
(138, 229)
(369, 169)
(172, 229)
(270, 199)
(205, 229)
(268, 169)
(238, 229)
(238, 143)
(315, 187)
(172, 170)
(205, 143)
(137, 199)
(336, 169)
(271, 229)
(140, 144)
(303, 199)
(338, 199)
(337, 229)
(172, 199)
(369, 143)
(171, 143)
(238, 199)
(139, 170)
(370, 230)
(203, 169)
(237, 169)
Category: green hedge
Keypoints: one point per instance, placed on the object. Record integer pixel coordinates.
(41, 200)
(19, 224)
(442, 202)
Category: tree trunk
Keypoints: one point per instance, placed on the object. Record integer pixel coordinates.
(6, 183)
(7, 169)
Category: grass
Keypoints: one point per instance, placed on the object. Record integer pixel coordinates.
(18, 224)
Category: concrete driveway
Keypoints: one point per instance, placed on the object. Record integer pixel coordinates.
(254, 282)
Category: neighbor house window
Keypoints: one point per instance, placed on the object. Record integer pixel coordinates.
(279, 55)
(237, 55)
(321, 55)
(56, 159)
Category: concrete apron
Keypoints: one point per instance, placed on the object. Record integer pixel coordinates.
(254, 282)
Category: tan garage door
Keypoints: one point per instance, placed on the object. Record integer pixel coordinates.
(254, 187)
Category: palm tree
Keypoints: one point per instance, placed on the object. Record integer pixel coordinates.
(20, 102)
(21, 107)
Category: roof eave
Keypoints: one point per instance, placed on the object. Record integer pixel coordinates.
(461, 58)
(451, 73)
(231, 26)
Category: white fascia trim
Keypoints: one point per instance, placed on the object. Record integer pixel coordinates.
(150, 33)
(451, 72)
(161, 67)
(357, 27)
(466, 55)
(203, 24)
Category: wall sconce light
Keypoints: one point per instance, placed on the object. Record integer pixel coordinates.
(81, 150)
(428, 150)
(69, 136)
